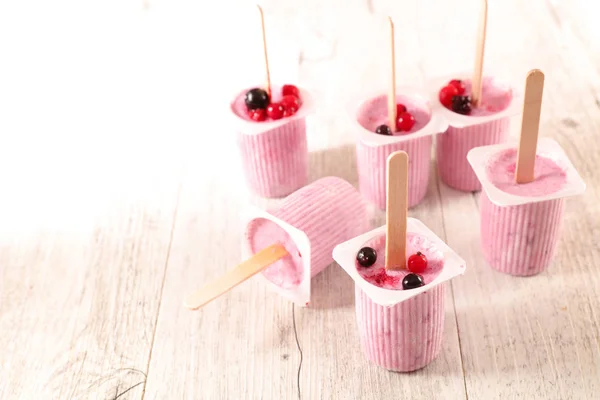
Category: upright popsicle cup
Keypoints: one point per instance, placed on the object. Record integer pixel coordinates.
(308, 223)
(486, 124)
(373, 149)
(274, 154)
(520, 223)
(400, 329)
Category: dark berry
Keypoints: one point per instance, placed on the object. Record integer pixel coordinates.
(366, 257)
(417, 262)
(412, 281)
(275, 111)
(383, 130)
(256, 98)
(257, 115)
(458, 84)
(461, 104)
(290, 105)
(290, 90)
(446, 95)
(405, 122)
(400, 108)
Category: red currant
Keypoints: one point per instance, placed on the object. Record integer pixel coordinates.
(290, 90)
(258, 115)
(400, 108)
(290, 105)
(275, 111)
(417, 263)
(446, 95)
(458, 84)
(405, 122)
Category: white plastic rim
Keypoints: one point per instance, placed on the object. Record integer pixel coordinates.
(461, 121)
(479, 156)
(256, 128)
(299, 294)
(345, 255)
(434, 126)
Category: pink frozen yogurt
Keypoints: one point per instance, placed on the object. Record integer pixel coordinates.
(372, 158)
(453, 146)
(407, 336)
(400, 329)
(274, 160)
(377, 274)
(327, 212)
(549, 176)
(520, 222)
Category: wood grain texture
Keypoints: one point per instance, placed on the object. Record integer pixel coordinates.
(102, 234)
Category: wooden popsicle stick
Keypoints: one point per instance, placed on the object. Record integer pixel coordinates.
(477, 81)
(530, 125)
(264, 40)
(392, 89)
(397, 211)
(239, 274)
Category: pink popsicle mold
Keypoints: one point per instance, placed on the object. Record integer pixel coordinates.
(315, 218)
(274, 154)
(373, 149)
(468, 131)
(401, 330)
(519, 233)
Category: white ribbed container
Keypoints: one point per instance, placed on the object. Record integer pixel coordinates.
(520, 240)
(275, 162)
(372, 169)
(452, 148)
(404, 337)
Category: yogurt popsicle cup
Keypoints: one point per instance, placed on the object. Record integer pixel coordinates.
(308, 223)
(274, 154)
(400, 329)
(520, 223)
(373, 149)
(487, 124)
(292, 243)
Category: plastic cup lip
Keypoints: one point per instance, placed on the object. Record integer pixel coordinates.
(256, 128)
(434, 126)
(345, 255)
(299, 294)
(462, 121)
(479, 156)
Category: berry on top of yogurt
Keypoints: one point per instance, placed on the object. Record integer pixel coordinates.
(290, 90)
(459, 85)
(446, 95)
(417, 262)
(404, 122)
(257, 99)
(260, 107)
(452, 96)
(412, 281)
(275, 111)
(461, 105)
(383, 130)
(400, 108)
(366, 257)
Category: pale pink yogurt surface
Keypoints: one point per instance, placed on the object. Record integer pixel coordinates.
(377, 274)
(549, 177)
(495, 97)
(374, 112)
(287, 272)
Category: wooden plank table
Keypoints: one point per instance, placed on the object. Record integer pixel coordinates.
(122, 193)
